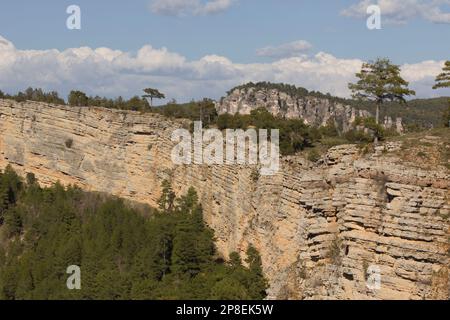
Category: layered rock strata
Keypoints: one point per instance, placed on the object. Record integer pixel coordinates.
(319, 227)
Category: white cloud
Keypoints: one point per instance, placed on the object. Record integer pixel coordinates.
(287, 50)
(214, 6)
(401, 11)
(109, 72)
(189, 7)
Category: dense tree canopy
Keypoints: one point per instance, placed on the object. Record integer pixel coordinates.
(123, 253)
(78, 99)
(294, 134)
(35, 95)
(204, 111)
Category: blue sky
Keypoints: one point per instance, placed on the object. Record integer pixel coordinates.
(236, 32)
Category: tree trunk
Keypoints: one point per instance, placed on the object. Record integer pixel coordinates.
(377, 121)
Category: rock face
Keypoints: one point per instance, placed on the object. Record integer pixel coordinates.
(314, 111)
(320, 228)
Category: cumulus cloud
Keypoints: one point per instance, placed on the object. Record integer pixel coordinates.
(401, 11)
(189, 7)
(104, 71)
(287, 50)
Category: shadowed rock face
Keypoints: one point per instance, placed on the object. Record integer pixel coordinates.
(314, 111)
(318, 226)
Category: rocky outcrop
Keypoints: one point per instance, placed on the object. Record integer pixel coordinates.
(319, 227)
(314, 111)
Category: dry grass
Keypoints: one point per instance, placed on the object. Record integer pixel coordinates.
(426, 149)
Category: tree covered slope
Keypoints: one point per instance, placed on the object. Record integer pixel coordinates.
(123, 253)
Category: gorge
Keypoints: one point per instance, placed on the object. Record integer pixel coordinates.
(318, 226)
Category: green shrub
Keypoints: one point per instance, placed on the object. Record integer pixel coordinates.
(390, 133)
(255, 175)
(365, 266)
(330, 130)
(294, 134)
(334, 251)
(367, 148)
(333, 141)
(69, 143)
(421, 154)
(313, 155)
(204, 111)
(446, 117)
(358, 136)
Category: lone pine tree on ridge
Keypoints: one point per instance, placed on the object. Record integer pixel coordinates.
(380, 81)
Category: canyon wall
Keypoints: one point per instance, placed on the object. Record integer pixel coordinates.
(318, 226)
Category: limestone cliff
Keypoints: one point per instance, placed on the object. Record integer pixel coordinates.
(316, 111)
(318, 226)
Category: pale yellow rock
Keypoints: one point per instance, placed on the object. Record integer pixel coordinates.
(374, 210)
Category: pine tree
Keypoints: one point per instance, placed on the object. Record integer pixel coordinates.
(31, 179)
(235, 260)
(167, 199)
(78, 99)
(160, 259)
(443, 81)
(186, 257)
(193, 243)
(257, 284)
(12, 183)
(13, 221)
(189, 202)
(153, 94)
(380, 81)
(4, 202)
